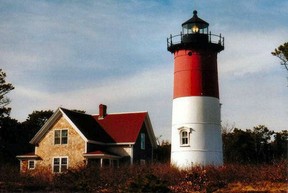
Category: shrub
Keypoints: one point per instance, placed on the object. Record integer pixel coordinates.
(80, 179)
(149, 178)
(12, 181)
(147, 183)
(9, 173)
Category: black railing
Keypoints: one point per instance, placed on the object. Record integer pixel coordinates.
(178, 39)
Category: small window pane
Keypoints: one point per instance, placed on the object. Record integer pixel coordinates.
(56, 169)
(57, 141)
(184, 134)
(142, 140)
(64, 140)
(64, 161)
(64, 165)
(31, 164)
(57, 133)
(184, 141)
(56, 164)
(56, 161)
(64, 133)
(64, 137)
(63, 168)
(57, 137)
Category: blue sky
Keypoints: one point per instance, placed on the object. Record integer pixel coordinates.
(78, 54)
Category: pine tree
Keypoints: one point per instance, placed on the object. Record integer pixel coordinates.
(282, 53)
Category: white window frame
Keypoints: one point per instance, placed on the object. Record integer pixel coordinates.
(34, 164)
(142, 140)
(184, 138)
(60, 137)
(181, 131)
(60, 164)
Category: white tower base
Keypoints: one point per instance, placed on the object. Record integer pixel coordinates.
(199, 117)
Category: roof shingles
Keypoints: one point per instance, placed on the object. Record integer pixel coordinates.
(88, 126)
(123, 128)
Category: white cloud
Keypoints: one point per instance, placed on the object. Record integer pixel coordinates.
(145, 91)
(250, 52)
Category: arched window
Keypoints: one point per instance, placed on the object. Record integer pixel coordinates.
(184, 133)
(184, 138)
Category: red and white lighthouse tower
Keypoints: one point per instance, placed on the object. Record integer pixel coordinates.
(196, 127)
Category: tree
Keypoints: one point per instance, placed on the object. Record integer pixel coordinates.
(280, 145)
(4, 89)
(238, 146)
(257, 145)
(35, 121)
(262, 136)
(9, 140)
(15, 136)
(163, 151)
(282, 53)
(8, 126)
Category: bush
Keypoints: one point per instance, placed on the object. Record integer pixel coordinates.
(80, 179)
(147, 183)
(161, 178)
(12, 181)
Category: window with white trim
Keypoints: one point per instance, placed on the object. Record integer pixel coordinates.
(184, 133)
(142, 141)
(60, 164)
(31, 164)
(60, 137)
(184, 138)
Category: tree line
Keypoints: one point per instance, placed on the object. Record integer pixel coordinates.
(15, 135)
(257, 145)
(251, 146)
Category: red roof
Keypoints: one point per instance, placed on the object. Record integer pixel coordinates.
(123, 127)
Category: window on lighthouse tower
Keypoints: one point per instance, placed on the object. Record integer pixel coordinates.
(184, 136)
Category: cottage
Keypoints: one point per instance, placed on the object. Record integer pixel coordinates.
(71, 139)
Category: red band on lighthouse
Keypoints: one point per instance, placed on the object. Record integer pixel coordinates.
(195, 74)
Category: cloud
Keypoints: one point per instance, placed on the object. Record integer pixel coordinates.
(252, 81)
(144, 91)
(250, 52)
(255, 99)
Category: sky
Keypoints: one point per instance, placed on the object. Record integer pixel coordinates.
(79, 54)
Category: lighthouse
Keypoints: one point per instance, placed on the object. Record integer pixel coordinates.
(196, 121)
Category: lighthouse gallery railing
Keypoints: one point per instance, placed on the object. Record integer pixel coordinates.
(178, 39)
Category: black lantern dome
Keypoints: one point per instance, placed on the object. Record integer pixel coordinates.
(195, 25)
(195, 35)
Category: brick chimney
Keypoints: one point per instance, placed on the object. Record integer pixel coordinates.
(102, 111)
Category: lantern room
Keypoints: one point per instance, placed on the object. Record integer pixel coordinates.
(195, 35)
(195, 25)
